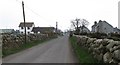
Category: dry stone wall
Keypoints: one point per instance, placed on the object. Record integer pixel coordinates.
(14, 41)
(106, 50)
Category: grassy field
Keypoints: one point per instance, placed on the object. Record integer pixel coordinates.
(82, 54)
(6, 52)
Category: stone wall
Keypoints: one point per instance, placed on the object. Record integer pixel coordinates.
(12, 41)
(104, 50)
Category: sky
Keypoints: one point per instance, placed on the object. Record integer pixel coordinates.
(46, 12)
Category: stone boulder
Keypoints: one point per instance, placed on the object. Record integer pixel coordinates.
(105, 42)
(107, 57)
(116, 54)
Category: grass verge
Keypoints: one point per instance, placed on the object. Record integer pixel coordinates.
(82, 54)
(6, 52)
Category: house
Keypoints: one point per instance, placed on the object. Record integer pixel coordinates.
(94, 27)
(16, 32)
(29, 27)
(84, 29)
(102, 27)
(6, 30)
(43, 30)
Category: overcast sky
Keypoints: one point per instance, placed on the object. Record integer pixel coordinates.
(47, 12)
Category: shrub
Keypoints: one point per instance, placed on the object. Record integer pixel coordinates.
(97, 35)
(115, 35)
(85, 33)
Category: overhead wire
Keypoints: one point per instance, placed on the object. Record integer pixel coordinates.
(34, 12)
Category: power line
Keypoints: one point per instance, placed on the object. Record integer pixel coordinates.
(33, 11)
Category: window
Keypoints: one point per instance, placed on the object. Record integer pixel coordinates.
(22, 32)
(28, 28)
(28, 32)
(21, 27)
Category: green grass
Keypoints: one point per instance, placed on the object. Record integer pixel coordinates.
(82, 54)
(0, 52)
(7, 52)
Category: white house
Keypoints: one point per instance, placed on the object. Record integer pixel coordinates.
(29, 27)
(102, 27)
(94, 27)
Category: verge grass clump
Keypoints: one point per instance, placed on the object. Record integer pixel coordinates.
(82, 53)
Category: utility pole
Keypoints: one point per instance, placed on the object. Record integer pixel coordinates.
(56, 26)
(77, 21)
(24, 19)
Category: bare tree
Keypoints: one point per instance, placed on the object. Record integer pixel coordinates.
(84, 22)
(79, 23)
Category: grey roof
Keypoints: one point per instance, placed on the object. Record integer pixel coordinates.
(102, 21)
(107, 23)
(6, 30)
(27, 24)
(117, 29)
(84, 27)
(94, 25)
(42, 29)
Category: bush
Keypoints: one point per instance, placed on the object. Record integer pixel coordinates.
(97, 35)
(85, 33)
(115, 35)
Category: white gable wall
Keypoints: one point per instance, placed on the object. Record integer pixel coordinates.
(22, 31)
(106, 28)
(103, 27)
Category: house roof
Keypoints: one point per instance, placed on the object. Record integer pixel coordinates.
(42, 29)
(107, 23)
(27, 24)
(84, 27)
(94, 25)
(6, 30)
(101, 22)
(117, 29)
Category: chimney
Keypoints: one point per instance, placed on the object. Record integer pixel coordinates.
(95, 23)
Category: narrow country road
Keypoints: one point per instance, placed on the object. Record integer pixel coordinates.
(54, 51)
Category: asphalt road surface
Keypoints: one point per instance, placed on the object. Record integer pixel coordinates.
(54, 51)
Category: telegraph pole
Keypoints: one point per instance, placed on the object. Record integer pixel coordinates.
(77, 21)
(24, 19)
(56, 26)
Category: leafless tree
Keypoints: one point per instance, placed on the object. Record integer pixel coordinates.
(84, 22)
(79, 23)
